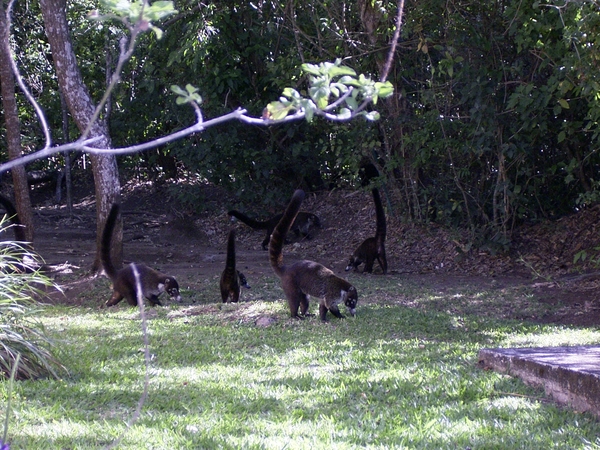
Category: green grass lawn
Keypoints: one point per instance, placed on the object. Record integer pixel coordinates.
(402, 374)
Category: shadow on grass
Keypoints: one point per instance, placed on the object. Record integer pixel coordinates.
(403, 372)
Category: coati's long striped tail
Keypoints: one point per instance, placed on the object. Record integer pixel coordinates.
(107, 233)
(379, 215)
(380, 230)
(230, 273)
(252, 223)
(280, 231)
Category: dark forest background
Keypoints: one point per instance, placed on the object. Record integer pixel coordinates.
(494, 120)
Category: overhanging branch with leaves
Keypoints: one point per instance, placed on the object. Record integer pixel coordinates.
(335, 92)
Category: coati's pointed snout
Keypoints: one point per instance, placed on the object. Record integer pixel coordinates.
(351, 300)
(172, 288)
(243, 280)
(353, 263)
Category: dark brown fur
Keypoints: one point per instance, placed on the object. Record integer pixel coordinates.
(231, 279)
(153, 283)
(372, 248)
(301, 226)
(303, 278)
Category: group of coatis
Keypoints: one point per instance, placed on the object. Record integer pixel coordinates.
(299, 279)
(302, 279)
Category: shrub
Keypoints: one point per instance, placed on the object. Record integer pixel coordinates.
(22, 285)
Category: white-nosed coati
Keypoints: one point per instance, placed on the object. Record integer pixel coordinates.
(153, 283)
(231, 279)
(372, 248)
(303, 278)
(301, 226)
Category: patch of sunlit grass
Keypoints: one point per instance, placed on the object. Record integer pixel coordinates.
(402, 373)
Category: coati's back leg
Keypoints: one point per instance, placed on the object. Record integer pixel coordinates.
(297, 300)
(115, 298)
(233, 294)
(225, 294)
(304, 304)
(382, 263)
(369, 264)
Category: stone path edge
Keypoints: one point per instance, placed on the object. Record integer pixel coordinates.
(570, 375)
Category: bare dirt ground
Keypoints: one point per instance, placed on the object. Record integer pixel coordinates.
(164, 235)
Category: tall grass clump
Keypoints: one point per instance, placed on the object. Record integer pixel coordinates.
(22, 285)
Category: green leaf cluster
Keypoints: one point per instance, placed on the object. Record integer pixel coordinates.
(138, 12)
(189, 95)
(331, 81)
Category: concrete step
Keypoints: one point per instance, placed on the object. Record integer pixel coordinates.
(570, 375)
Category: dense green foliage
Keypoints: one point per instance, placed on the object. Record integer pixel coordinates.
(501, 123)
(494, 121)
(393, 377)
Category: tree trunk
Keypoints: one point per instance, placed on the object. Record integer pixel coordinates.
(80, 104)
(13, 129)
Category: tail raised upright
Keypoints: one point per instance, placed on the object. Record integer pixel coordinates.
(252, 223)
(229, 283)
(109, 226)
(280, 231)
(380, 231)
(304, 278)
(133, 278)
(372, 248)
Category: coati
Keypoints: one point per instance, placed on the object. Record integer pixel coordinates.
(301, 226)
(231, 279)
(372, 248)
(303, 278)
(153, 283)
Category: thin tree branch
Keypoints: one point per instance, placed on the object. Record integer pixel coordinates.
(390, 58)
(125, 54)
(85, 145)
(46, 152)
(34, 103)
